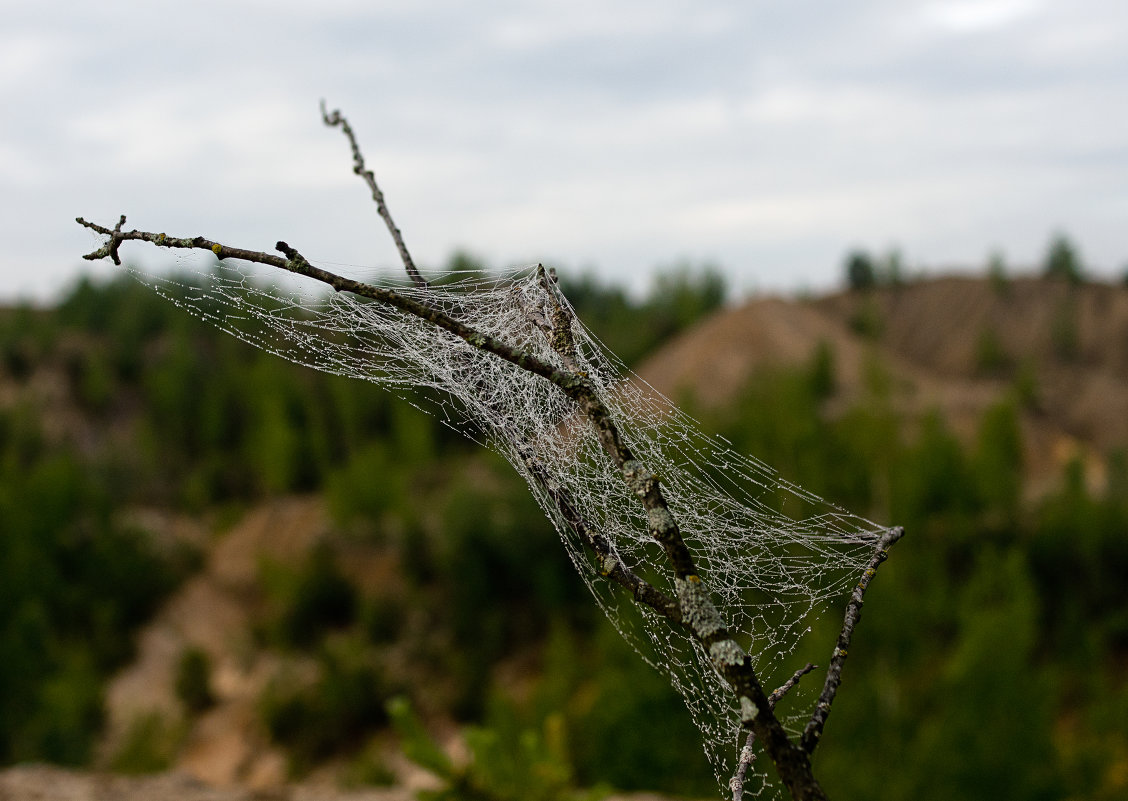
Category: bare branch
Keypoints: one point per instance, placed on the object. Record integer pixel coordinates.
(335, 119)
(117, 236)
(698, 613)
(611, 566)
(747, 753)
(813, 731)
(693, 608)
(296, 263)
(696, 608)
(787, 686)
(110, 248)
(559, 334)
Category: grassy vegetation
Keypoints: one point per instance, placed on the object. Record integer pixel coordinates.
(988, 664)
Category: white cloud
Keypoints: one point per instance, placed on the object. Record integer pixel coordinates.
(551, 24)
(19, 170)
(624, 133)
(24, 57)
(968, 16)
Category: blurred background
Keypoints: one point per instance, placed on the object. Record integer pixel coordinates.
(880, 248)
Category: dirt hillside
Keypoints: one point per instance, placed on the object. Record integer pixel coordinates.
(956, 345)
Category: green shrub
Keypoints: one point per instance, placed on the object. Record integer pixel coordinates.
(991, 359)
(149, 746)
(310, 602)
(1062, 261)
(1025, 389)
(999, 743)
(778, 417)
(998, 461)
(66, 716)
(74, 586)
(506, 763)
(681, 295)
(1079, 555)
(333, 714)
(367, 487)
(16, 358)
(997, 276)
(934, 484)
(193, 680)
(822, 371)
(866, 321)
(1065, 338)
(861, 274)
(613, 716)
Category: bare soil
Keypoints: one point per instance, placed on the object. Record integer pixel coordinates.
(1069, 344)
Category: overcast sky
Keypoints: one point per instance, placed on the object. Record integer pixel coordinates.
(766, 137)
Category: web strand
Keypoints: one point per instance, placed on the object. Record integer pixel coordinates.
(776, 556)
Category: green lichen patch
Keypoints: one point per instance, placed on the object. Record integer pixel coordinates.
(698, 611)
(748, 710)
(726, 654)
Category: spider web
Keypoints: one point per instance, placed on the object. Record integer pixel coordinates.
(774, 556)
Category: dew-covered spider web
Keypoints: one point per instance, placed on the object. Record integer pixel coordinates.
(774, 557)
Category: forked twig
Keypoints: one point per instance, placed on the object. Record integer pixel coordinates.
(747, 753)
(698, 614)
(693, 608)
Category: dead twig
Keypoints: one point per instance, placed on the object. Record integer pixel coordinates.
(692, 609)
(335, 119)
(813, 731)
(747, 753)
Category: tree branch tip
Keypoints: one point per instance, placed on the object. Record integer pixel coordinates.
(331, 118)
(85, 223)
(286, 250)
(792, 763)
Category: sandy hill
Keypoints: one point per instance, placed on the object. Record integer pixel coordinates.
(956, 345)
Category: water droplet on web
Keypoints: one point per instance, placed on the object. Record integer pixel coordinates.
(769, 575)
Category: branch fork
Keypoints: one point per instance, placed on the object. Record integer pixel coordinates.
(692, 610)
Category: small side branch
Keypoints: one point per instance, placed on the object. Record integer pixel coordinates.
(813, 731)
(787, 686)
(747, 753)
(110, 248)
(294, 262)
(336, 119)
(697, 610)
